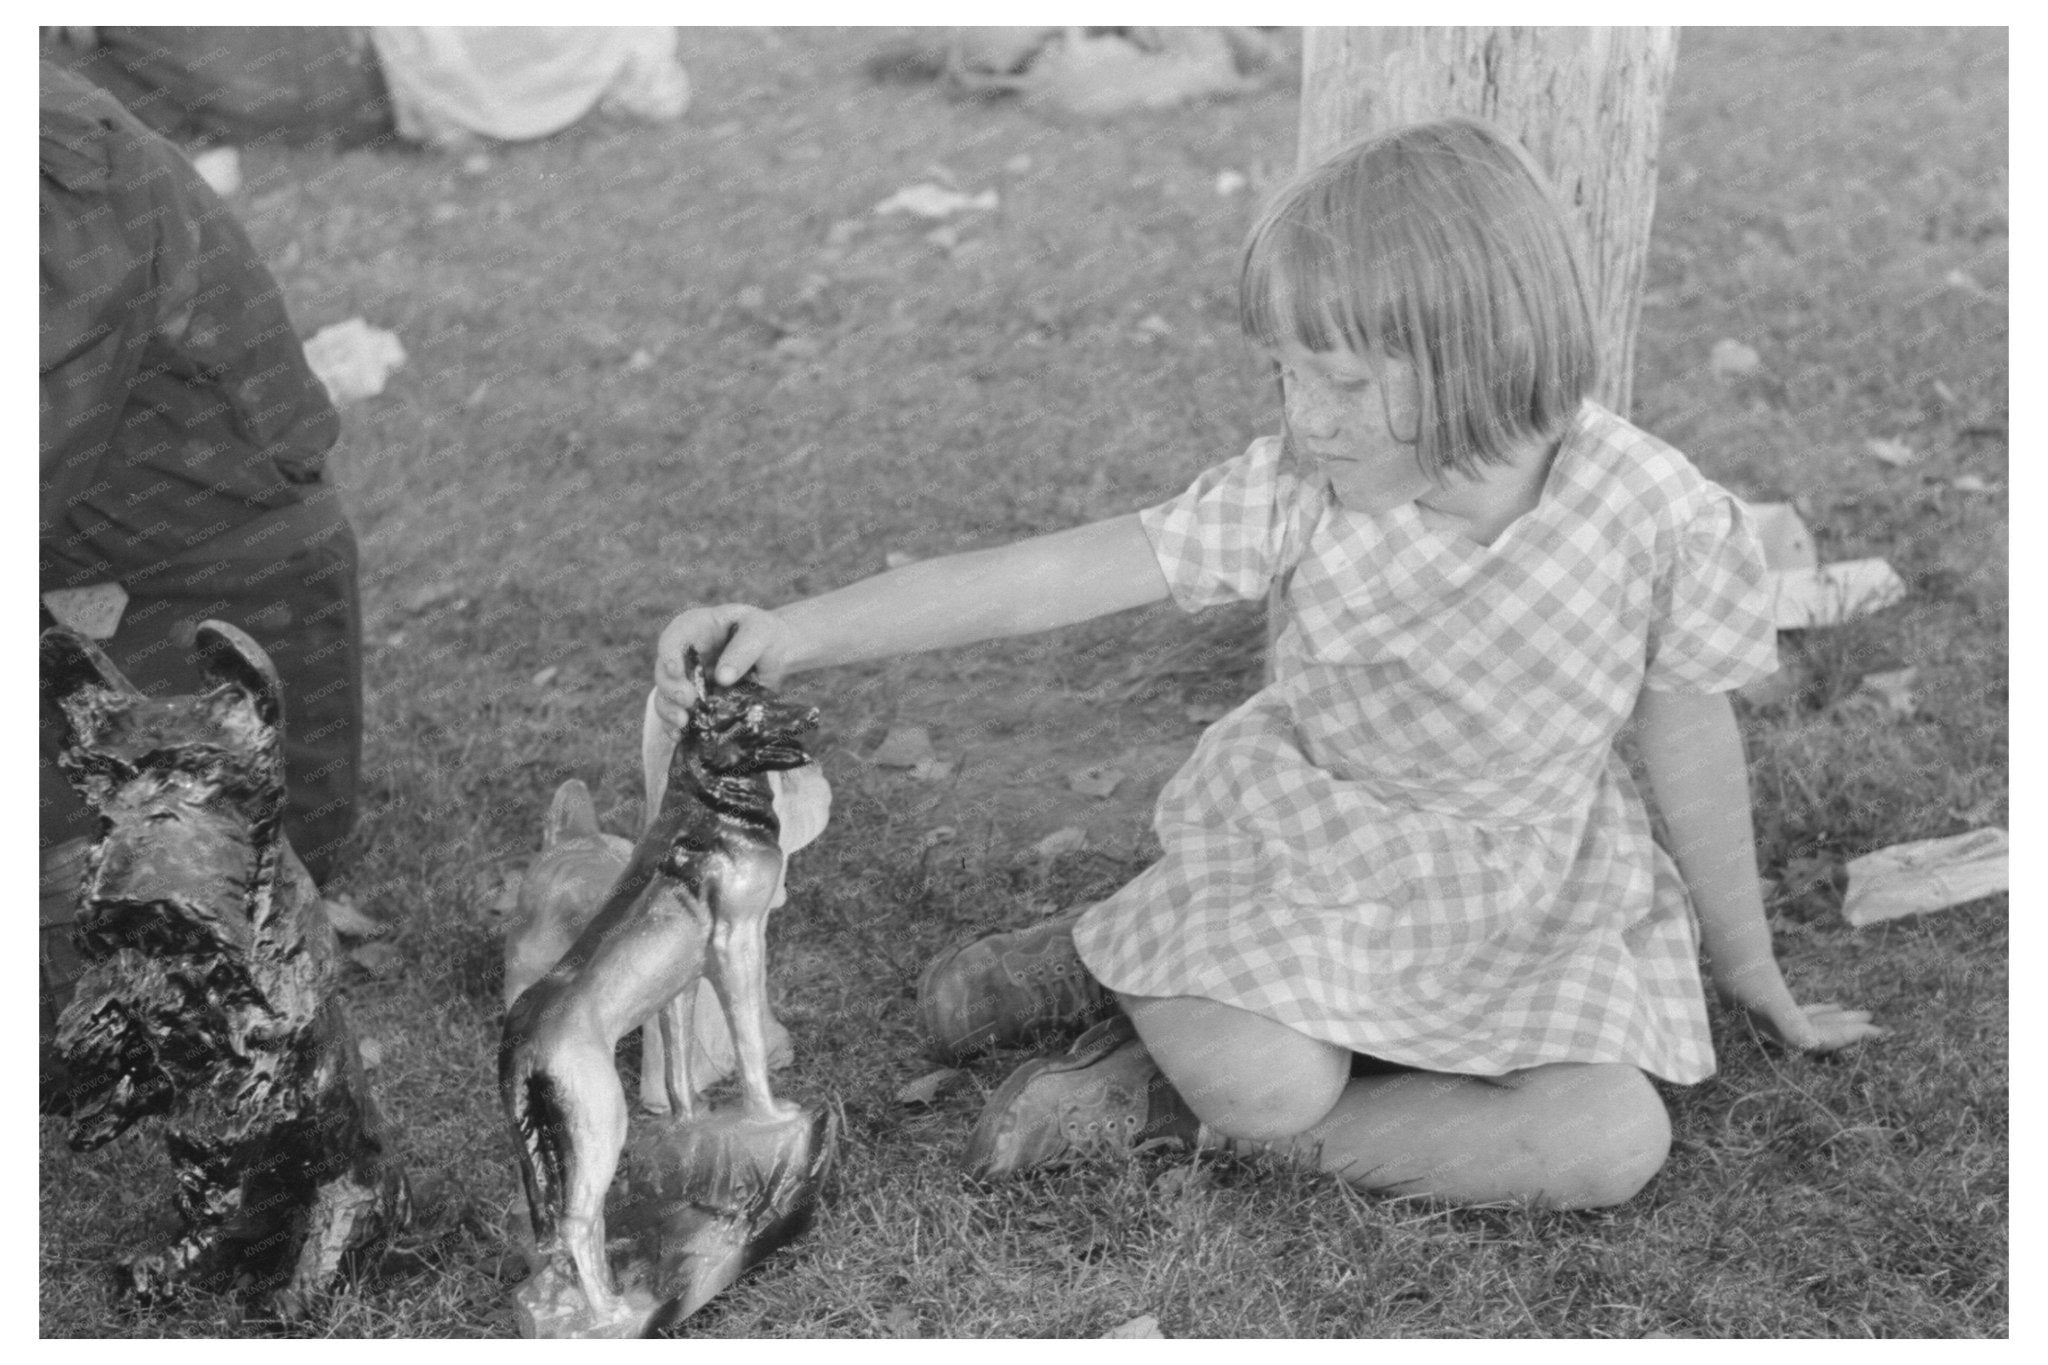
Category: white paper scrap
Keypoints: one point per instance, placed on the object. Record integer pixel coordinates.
(1930, 874)
(1834, 593)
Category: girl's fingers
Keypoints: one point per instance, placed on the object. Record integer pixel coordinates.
(742, 651)
(670, 710)
(1836, 1039)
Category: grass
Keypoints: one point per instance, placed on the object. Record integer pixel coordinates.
(827, 387)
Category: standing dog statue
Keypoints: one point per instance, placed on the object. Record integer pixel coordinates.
(690, 906)
(211, 995)
(577, 867)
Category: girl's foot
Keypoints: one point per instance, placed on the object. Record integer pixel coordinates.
(1007, 990)
(1103, 1096)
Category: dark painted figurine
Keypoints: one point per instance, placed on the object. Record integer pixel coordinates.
(722, 1188)
(210, 999)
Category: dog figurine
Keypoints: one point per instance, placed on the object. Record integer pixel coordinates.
(690, 906)
(577, 867)
(210, 998)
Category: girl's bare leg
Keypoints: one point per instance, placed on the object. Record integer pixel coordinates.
(1567, 1135)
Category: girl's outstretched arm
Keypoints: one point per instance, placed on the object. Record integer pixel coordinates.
(1016, 589)
(1693, 752)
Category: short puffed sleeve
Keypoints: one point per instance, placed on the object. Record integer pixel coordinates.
(1711, 626)
(1225, 538)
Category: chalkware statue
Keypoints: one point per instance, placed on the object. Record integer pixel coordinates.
(210, 1000)
(713, 1190)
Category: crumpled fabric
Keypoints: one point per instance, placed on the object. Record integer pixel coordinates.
(452, 84)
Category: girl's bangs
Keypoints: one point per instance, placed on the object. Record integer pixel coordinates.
(1304, 284)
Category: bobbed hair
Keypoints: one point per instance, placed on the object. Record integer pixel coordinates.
(1442, 244)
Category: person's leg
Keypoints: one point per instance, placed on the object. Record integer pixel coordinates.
(1567, 1135)
(1244, 1075)
(1570, 1135)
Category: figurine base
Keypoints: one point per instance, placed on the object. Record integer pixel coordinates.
(551, 1307)
(703, 1201)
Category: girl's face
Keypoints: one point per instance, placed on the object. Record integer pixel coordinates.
(1353, 421)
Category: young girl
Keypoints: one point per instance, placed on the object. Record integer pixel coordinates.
(1409, 919)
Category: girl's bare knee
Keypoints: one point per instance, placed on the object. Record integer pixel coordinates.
(1243, 1075)
(1281, 1104)
(1608, 1136)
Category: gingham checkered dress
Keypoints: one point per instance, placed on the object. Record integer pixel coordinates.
(1418, 841)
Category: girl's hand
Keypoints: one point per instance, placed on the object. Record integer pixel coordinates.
(729, 640)
(1810, 1028)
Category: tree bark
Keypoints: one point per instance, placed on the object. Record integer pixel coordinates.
(1588, 103)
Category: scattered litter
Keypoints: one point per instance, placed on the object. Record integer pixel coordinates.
(350, 922)
(936, 202)
(901, 1321)
(1969, 483)
(221, 168)
(1786, 541)
(896, 559)
(1930, 874)
(1943, 394)
(1152, 326)
(1230, 182)
(1733, 360)
(1835, 593)
(927, 1088)
(1066, 840)
(477, 163)
(1097, 782)
(938, 834)
(1897, 454)
(1141, 1328)
(1893, 690)
(1965, 281)
(372, 1050)
(378, 959)
(930, 770)
(1206, 713)
(904, 747)
(353, 359)
(423, 598)
(546, 675)
(640, 361)
(1807, 593)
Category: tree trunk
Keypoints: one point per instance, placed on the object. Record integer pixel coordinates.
(1588, 103)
